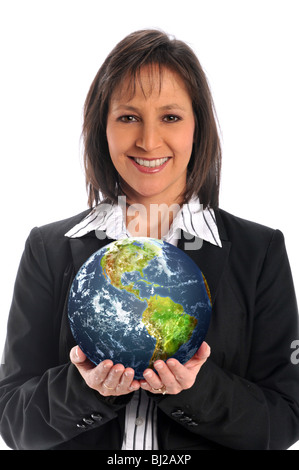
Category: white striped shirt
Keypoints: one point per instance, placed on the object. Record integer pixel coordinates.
(107, 220)
(110, 221)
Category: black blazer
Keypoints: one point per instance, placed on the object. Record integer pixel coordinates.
(246, 396)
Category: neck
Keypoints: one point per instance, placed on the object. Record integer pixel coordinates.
(151, 216)
(152, 221)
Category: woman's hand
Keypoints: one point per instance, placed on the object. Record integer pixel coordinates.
(115, 380)
(105, 378)
(173, 377)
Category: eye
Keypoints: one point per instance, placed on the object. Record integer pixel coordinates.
(171, 118)
(127, 118)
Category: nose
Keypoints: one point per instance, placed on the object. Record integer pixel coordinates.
(149, 137)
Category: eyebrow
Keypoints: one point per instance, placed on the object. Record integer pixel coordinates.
(173, 106)
(167, 107)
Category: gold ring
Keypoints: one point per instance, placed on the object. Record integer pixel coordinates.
(161, 390)
(108, 388)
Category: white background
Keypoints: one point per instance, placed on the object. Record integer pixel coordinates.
(50, 53)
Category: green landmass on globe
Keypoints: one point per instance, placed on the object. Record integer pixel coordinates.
(163, 318)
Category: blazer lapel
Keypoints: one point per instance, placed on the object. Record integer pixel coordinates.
(82, 248)
(210, 259)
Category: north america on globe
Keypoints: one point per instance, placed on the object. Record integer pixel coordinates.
(138, 300)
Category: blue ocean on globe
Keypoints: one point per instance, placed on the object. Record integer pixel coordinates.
(137, 300)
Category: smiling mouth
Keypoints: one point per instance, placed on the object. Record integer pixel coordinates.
(154, 163)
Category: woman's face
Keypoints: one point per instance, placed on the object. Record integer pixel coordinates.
(150, 136)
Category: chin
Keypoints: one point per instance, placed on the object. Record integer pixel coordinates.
(149, 193)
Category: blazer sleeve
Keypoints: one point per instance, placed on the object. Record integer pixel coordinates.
(41, 401)
(259, 410)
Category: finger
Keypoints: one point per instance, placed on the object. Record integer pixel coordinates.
(77, 355)
(152, 381)
(127, 377)
(163, 382)
(183, 377)
(127, 382)
(204, 351)
(114, 377)
(96, 376)
(79, 359)
(168, 377)
(199, 357)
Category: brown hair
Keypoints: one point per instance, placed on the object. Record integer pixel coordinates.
(151, 47)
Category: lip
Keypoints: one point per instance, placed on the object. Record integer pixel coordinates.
(148, 169)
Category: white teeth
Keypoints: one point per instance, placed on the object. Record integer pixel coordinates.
(151, 163)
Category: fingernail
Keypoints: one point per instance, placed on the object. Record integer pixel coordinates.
(107, 365)
(133, 387)
(148, 373)
(159, 365)
(206, 350)
(171, 363)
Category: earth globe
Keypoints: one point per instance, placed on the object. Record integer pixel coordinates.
(137, 300)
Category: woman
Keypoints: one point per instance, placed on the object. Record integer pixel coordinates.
(150, 137)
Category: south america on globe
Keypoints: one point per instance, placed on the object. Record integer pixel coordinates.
(137, 300)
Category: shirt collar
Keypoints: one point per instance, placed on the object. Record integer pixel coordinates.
(192, 219)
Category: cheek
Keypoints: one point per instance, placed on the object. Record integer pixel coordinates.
(118, 142)
(184, 143)
(114, 145)
(184, 136)
(110, 135)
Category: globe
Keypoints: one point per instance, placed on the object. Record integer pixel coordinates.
(137, 300)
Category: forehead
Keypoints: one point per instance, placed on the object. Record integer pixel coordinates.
(150, 81)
